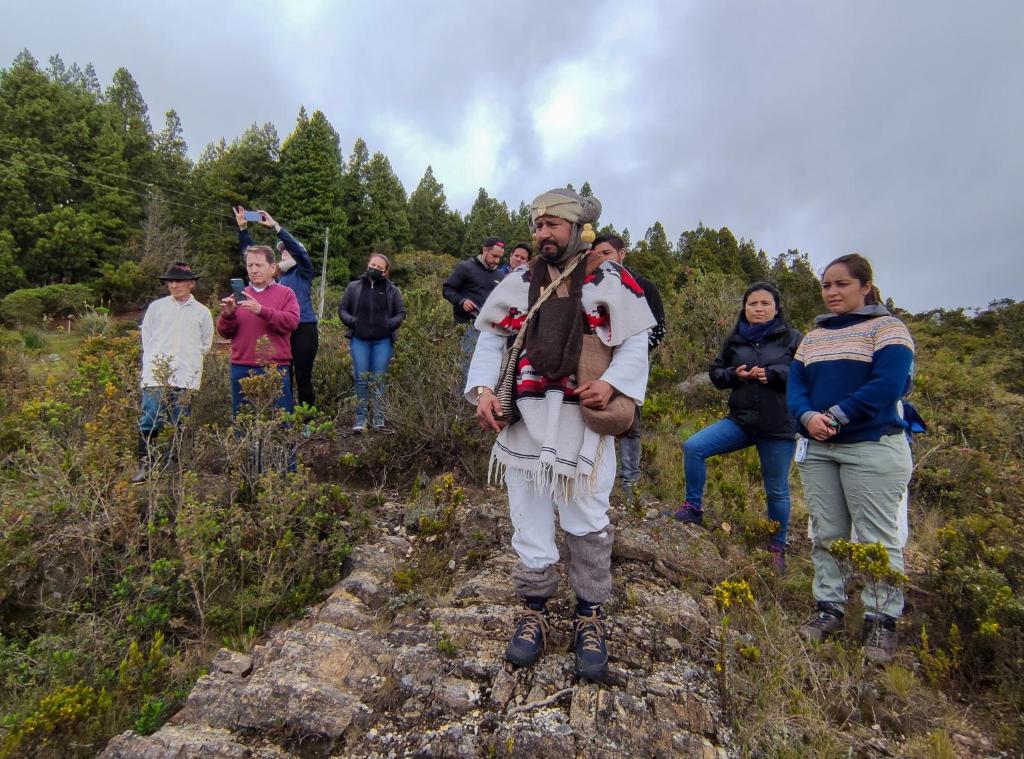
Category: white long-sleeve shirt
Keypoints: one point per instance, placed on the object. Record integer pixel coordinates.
(176, 335)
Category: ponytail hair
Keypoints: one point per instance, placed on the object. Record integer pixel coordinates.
(860, 269)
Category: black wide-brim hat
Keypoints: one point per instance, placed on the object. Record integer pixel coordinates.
(179, 272)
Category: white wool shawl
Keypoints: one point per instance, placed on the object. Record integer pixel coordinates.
(550, 445)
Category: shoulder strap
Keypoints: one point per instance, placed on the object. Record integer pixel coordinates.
(544, 295)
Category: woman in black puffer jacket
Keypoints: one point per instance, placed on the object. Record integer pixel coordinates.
(373, 310)
(754, 364)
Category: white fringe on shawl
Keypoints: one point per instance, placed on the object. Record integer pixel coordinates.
(551, 446)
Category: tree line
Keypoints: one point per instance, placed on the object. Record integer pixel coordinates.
(94, 194)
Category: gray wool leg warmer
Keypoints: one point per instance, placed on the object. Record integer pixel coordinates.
(536, 583)
(590, 564)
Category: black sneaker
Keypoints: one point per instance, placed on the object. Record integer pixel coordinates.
(589, 645)
(141, 475)
(879, 638)
(689, 514)
(827, 621)
(529, 638)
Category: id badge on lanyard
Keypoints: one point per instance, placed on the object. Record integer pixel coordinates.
(801, 449)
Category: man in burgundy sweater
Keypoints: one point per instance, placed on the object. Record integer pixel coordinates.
(260, 327)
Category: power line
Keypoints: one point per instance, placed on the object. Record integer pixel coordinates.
(53, 157)
(209, 212)
(106, 186)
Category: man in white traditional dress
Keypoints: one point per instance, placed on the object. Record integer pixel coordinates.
(555, 452)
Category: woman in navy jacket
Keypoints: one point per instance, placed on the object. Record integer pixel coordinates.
(754, 364)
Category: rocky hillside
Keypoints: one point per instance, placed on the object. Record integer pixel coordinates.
(372, 672)
(386, 667)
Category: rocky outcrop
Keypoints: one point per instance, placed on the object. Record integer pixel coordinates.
(374, 672)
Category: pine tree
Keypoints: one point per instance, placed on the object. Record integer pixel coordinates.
(385, 225)
(519, 225)
(130, 116)
(487, 217)
(429, 215)
(657, 240)
(309, 197)
(585, 190)
(67, 190)
(353, 191)
(173, 164)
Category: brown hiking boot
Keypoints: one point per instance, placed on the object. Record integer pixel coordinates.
(879, 638)
(826, 621)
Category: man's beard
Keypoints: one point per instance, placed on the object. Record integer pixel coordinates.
(552, 256)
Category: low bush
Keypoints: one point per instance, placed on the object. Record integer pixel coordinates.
(32, 305)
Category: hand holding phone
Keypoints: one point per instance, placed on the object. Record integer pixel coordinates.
(254, 216)
(238, 290)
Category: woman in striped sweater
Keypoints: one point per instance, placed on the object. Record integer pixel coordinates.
(845, 383)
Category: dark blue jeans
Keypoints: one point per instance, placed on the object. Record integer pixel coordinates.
(725, 436)
(239, 372)
(162, 405)
(370, 359)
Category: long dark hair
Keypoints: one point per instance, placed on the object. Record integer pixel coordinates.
(860, 269)
(741, 316)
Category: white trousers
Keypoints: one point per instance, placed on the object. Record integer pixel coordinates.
(533, 511)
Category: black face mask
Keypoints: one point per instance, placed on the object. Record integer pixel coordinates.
(375, 275)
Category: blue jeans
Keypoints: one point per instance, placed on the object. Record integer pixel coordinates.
(370, 359)
(629, 455)
(467, 345)
(240, 372)
(725, 436)
(160, 406)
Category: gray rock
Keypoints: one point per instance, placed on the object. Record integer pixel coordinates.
(189, 742)
(231, 663)
(373, 566)
(347, 681)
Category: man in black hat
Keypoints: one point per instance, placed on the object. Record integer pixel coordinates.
(468, 286)
(177, 332)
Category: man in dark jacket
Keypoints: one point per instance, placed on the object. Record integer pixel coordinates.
(613, 248)
(468, 286)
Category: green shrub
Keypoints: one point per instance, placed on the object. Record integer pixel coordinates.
(32, 305)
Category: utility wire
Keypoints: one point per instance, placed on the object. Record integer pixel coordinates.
(106, 186)
(90, 169)
(207, 211)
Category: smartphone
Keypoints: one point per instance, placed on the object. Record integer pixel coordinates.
(253, 216)
(238, 290)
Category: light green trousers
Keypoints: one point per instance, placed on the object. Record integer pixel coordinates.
(856, 485)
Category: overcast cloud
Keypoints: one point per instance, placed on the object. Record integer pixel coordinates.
(890, 128)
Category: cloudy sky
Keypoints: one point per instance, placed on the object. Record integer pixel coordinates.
(890, 127)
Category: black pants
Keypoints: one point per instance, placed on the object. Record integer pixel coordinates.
(305, 343)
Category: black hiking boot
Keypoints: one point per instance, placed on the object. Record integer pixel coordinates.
(530, 635)
(827, 621)
(689, 514)
(879, 638)
(589, 643)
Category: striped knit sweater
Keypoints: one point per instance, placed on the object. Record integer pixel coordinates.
(856, 366)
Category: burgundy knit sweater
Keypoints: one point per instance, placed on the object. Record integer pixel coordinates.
(276, 321)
